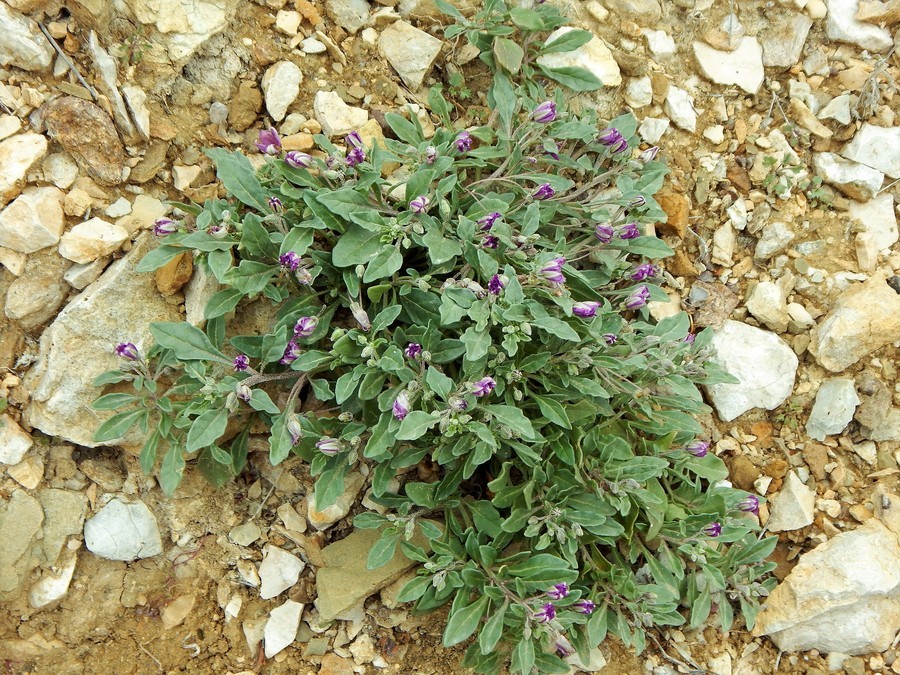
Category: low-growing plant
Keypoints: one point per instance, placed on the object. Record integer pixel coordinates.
(465, 319)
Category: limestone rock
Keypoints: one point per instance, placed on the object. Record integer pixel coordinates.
(833, 410)
(639, 92)
(783, 40)
(176, 611)
(136, 98)
(843, 26)
(21, 42)
(328, 516)
(39, 292)
(144, 212)
(123, 531)
(20, 522)
(14, 442)
(837, 109)
(764, 363)
(336, 117)
(878, 219)
(278, 571)
(877, 147)
(78, 346)
(642, 12)
(108, 84)
(54, 583)
(775, 238)
(91, 240)
(281, 84)
(87, 133)
(33, 221)
(743, 66)
(768, 305)
(653, 128)
(594, 56)
(879, 419)
(281, 628)
(843, 596)
(679, 106)
(351, 15)
(410, 51)
(793, 507)
(17, 155)
(855, 180)
(864, 318)
(660, 44)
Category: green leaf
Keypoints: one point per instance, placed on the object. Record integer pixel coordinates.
(508, 54)
(222, 302)
(186, 341)
(440, 249)
(544, 567)
(255, 238)
(385, 318)
(415, 425)
(345, 202)
(159, 257)
(523, 656)
(513, 418)
(214, 471)
(553, 411)
(113, 401)
(404, 129)
(172, 470)
(148, 453)
(463, 622)
(493, 630)
(280, 443)
(568, 41)
(557, 327)
(206, 430)
(438, 382)
(385, 263)
(576, 79)
(239, 177)
(116, 426)
(415, 589)
(382, 550)
(260, 400)
(356, 247)
(527, 19)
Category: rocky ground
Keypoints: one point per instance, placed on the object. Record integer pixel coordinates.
(779, 122)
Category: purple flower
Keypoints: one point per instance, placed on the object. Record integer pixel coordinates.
(605, 233)
(458, 404)
(356, 156)
(584, 606)
(689, 338)
(544, 113)
(276, 205)
(558, 592)
(563, 647)
(295, 430)
(543, 192)
(546, 614)
(298, 160)
(490, 241)
(629, 231)
(463, 141)
(713, 529)
(241, 363)
(750, 504)
(487, 222)
(163, 227)
(362, 318)
(269, 141)
(610, 338)
(697, 448)
(585, 309)
(419, 204)
(649, 154)
(128, 351)
(413, 350)
(638, 299)
(401, 406)
(243, 392)
(217, 231)
(431, 154)
(484, 386)
(291, 353)
(305, 326)
(289, 261)
(552, 271)
(329, 446)
(644, 271)
(353, 139)
(495, 285)
(613, 139)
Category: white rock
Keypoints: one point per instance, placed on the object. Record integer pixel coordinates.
(90, 240)
(864, 318)
(38, 293)
(184, 176)
(410, 51)
(679, 106)
(867, 452)
(144, 211)
(123, 531)
(855, 180)
(723, 242)
(13, 260)
(835, 404)
(120, 207)
(737, 212)
(715, 133)
(775, 238)
(136, 98)
(639, 92)
(9, 125)
(351, 15)
(642, 12)
(764, 363)
(17, 155)
(783, 39)
(653, 128)
(60, 169)
(336, 117)
(800, 316)
(793, 508)
(837, 109)
(278, 571)
(768, 305)
(54, 583)
(244, 535)
(843, 596)
(21, 42)
(328, 516)
(817, 9)
(281, 84)
(877, 147)
(14, 442)
(866, 252)
(80, 276)
(312, 46)
(281, 628)
(108, 83)
(878, 219)
(660, 43)
(33, 221)
(743, 66)
(291, 519)
(843, 27)
(593, 56)
(288, 21)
